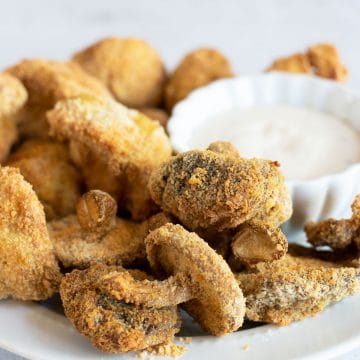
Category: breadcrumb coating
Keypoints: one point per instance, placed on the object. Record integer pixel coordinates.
(197, 69)
(12, 97)
(294, 288)
(130, 143)
(217, 303)
(130, 68)
(29, 270)
(47, 167)
(112, 325)
(297, 63)
(326, 60)
(48, 82)
(204, 189)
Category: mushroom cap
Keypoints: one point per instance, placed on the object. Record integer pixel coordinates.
(218, 303)
(205, 189)
(112, 325)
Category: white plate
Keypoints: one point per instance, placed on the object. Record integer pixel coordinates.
(36, 332)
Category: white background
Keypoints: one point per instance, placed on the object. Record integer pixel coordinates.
(251, 33)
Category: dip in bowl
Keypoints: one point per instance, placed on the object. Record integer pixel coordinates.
(311, 126)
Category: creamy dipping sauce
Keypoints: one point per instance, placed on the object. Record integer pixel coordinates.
(307, 143)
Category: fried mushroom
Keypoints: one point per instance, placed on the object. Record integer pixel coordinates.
(29, 270)
(47, 167)
(205, 189)
(297, 63)
(96, 235)
(130, 68)
(294, 288)
(46, 83)
(216, 302)
(130, 143)
(12, 97)
(197, 69)
(326, 61)
(114, 325)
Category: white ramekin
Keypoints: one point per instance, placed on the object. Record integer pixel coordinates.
(327, 196)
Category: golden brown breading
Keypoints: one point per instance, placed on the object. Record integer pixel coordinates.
(112, 325)
(204, 189)
(326, 60)
(297, 63)
(217, 304)
(256, 242)
(197, 69)
(29, 270)
(294, 288)
(130, 68)
(76, 247)
(12, 97)
(46, 166)
(224, 148)
(156, 114)
(48, 82)
(131, 144)
(89, 237)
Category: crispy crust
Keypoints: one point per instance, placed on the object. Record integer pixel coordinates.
(48, 82)
(29, 270)
(129, 68)
(12, 97)
(198, 68)
(75, 247)
(326, 60)
(111, 325)
(131, 144)
(46, 166)
(156, 114)
(217, 303)
(205, 189)
(297, 63)
(294, 288)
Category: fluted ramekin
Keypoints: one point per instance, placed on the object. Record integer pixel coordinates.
(323, 197)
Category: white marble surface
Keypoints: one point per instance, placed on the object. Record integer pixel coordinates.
(250, 32)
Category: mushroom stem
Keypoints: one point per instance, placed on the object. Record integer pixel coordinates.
(96, 211)
(257, 242)
(148, 293)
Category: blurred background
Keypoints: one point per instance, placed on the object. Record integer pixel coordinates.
(250, 32)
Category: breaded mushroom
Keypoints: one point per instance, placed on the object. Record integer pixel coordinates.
(206, 189)
(114, 325)
(29, 270)
(48, 82)
(338, 234)
(197, 69)
(327, 63)
(294, 288)
(47, 167)
(96, 235)
(130, 143)
(297, 63)
(213, 298)
(130, 68)
(12, 97)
